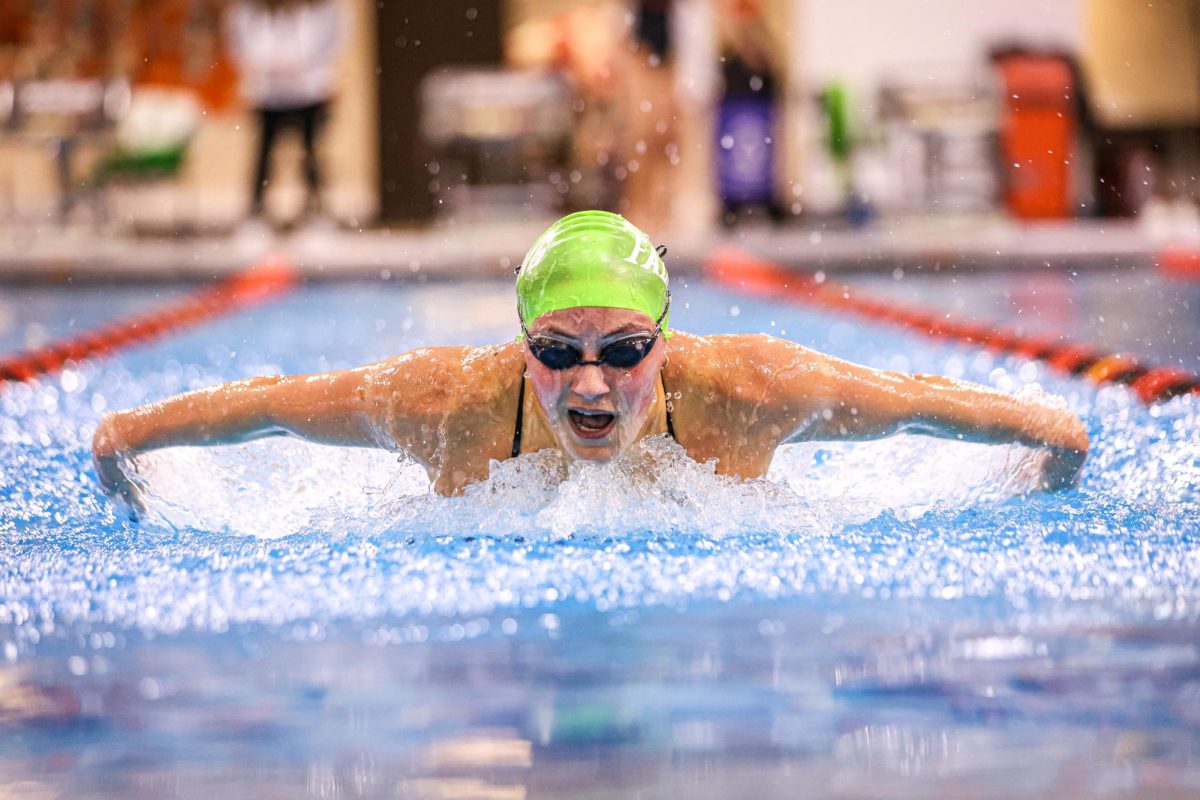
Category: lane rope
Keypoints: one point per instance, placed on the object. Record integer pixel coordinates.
(763, 278)
(256, 284)
(1180, 263)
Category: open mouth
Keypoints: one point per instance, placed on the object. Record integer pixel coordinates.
(591, 424)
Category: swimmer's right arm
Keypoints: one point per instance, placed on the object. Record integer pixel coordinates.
(395, 404)
(324, 408)
(328, 408)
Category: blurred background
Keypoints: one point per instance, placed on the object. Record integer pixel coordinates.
(834, 131)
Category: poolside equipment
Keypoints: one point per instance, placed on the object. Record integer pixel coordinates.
(62, 116)
(941, 131)
(498, 141)
(747, 117)
(592, 259)
(1037, 134)
(153, 135)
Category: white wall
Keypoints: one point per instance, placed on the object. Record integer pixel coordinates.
(863, 42)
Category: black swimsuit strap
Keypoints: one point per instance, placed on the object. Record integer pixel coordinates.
(516, 449)
(667, 398)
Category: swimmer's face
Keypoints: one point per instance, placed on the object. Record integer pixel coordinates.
(596, 411)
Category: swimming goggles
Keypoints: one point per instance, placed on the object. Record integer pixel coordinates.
(624, 353)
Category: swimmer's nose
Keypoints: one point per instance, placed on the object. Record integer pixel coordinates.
(589, 382)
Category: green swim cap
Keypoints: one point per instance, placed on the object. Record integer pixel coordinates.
(592, 258)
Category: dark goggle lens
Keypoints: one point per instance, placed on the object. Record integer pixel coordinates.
(555, 356)
(622, 355)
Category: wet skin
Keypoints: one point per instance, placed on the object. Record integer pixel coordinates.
(734, 399)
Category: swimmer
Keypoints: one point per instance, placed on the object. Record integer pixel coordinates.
(595, 370)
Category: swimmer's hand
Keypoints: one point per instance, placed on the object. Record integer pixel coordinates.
(1059, 469)
(1065, 443)
(108, 457)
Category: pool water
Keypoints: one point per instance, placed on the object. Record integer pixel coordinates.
(34, 316)
(890, 619)
(1134, 311)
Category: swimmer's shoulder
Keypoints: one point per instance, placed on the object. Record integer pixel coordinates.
(722, 392)
(451, 407)
(449, 378)
(735, 365)
(736, 397)
(745, 382)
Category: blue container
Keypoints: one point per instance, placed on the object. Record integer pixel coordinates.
(746, 150)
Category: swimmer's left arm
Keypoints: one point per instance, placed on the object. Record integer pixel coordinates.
(841, 400)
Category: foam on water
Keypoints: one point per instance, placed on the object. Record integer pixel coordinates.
(277, 488)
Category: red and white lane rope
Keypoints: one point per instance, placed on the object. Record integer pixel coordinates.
(766, 279)
(256, 284)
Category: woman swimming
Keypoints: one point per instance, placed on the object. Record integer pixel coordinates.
(595, 371)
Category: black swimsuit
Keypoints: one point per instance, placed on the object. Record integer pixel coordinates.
(516, 448)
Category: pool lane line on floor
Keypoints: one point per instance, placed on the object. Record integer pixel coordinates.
(1179, 263)
(760, 277)
(264, 280)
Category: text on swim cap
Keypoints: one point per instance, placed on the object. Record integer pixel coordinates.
(643, 256)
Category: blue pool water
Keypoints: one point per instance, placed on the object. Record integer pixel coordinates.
(33, 316)
(1133, 311)
(892, 619)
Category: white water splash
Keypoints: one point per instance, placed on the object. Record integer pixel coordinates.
(278, 487)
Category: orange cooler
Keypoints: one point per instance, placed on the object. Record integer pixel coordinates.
(1037, 135)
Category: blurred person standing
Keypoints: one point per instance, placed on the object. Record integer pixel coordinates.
(650, 150)
(582, 44)
(287, 53)
(748, 113)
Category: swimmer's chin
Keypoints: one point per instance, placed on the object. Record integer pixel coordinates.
(590, 450)
(596, 451)
(595, 455)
